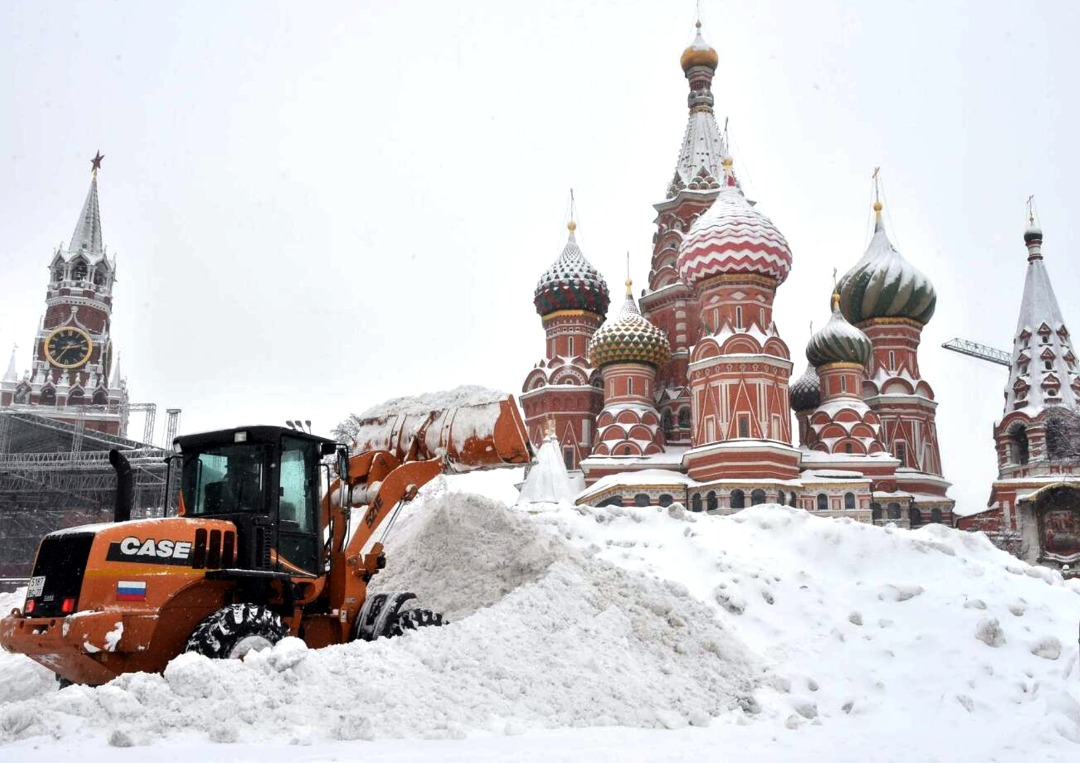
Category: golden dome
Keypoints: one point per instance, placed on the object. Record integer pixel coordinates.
(700, 53)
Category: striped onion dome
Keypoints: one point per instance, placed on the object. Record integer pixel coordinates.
(571, 283)
(805, 392)
(733, 237)
(629, 338)
(885, 285)
(838, 342)
(700, 53)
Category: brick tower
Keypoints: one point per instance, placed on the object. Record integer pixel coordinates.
(891, 300)
(563, 388)
(73, 375)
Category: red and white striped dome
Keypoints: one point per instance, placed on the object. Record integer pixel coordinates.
(733, 237)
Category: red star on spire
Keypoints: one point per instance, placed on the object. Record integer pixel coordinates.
(95, 163)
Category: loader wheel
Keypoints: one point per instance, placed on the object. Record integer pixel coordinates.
(232, 632)
(411, 619)
(385, 615)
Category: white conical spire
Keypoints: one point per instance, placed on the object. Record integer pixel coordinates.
(87, 235)
(114, 383)
(12, 374)
(548, 480)
(1043, 370)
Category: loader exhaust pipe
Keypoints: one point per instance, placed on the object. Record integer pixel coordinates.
(125, 488)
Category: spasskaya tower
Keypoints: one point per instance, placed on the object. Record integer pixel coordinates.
(73, 375)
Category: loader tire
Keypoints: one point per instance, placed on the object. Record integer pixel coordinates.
(385, 615)
(411, 619)
(233, 631)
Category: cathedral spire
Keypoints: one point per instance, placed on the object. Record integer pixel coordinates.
(12, 374)
(1043, 363)
(87, 235)
(704, 146)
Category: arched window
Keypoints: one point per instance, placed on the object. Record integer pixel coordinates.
(667, 423)
(568, 457)
(791, 501)
(75, 397)
(849, 501)
(684, 418)
(78, 270)
(738, 499)
(627, 450)
(757, 497)
(1019, 444)
(100, 398)
(875, 511)
(780, 498)
(665, 499)
(48, 396)
(642, 499)
(914, 517)
(935, 516)
(99, 278)
(893, 510)
(711, 504)
(58, 273)
(695, 502)
(630, 386)
(822, 502)
(611, 500)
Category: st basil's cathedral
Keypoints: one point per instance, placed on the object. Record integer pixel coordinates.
(686, 395)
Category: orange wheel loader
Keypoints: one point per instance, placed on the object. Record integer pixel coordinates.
(257, 550)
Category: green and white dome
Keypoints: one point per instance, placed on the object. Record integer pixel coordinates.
(838, 342)
(885, 285)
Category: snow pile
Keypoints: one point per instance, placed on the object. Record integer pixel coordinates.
(905, 637)
(467, 394)
(548, 480)
(19, 677)
(567, 641)
(790, 636)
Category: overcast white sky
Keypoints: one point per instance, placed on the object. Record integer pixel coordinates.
(317, 206)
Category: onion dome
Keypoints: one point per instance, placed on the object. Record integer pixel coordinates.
(838, 342)
(885, 285)
(700, 53)
(1033, 232)
(629, 338)
(733, 237)
(571, 283)
(804, 394)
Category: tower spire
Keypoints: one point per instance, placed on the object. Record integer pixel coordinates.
(87, 235)
(12, 374)
(878, 224)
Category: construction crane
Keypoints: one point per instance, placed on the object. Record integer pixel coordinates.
(980, 351)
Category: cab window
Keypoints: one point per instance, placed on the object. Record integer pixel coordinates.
(225, 479)
(298, 493)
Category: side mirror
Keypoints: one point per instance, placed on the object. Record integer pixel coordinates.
(343, 463)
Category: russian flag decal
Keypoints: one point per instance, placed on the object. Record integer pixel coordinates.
(128, 590)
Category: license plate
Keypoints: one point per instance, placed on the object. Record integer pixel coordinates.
(36, 586)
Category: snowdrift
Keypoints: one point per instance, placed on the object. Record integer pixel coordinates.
(787, 635)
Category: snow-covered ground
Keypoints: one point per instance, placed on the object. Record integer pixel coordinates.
(624, 634)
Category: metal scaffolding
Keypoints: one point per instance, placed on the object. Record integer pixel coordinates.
(54, 474)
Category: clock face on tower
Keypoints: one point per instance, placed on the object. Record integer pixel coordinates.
(68, 347)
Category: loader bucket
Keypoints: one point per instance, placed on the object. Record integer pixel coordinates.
(471, 437)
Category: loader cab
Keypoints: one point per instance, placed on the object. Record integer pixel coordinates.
(266, 481)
